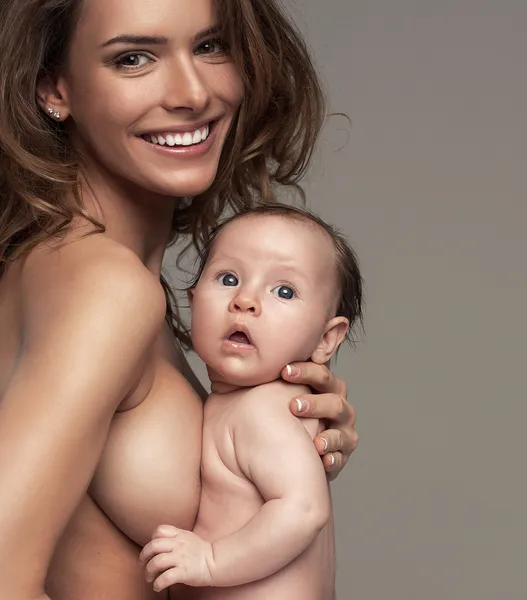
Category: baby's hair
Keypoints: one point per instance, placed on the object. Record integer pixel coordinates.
(347, 264)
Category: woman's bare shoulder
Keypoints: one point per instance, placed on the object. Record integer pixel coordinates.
(96, 280)
(92, 257)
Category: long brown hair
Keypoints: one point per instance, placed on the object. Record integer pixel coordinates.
(271, 141)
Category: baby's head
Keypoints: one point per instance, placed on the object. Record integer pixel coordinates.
(275, 285)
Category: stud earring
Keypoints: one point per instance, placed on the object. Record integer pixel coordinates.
(53, 113)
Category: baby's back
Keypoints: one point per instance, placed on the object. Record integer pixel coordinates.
(229, 500)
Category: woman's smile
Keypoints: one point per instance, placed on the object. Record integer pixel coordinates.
(186, 142)
(169, 82)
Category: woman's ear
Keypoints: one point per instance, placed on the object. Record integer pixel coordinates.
(334, 333)
(53, 98)
(190, 296)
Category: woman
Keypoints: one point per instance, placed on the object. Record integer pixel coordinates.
(123, 124)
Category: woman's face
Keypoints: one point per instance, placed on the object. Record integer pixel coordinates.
(151, 92)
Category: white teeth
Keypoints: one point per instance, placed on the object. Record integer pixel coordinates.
(178, 139)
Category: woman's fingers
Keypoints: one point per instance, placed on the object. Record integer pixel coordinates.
(330, 407)
(334, 463)
(336, 440)
(335, 446)
(318, 377)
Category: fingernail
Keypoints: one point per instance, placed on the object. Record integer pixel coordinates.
(325, 444)
(301, 405)
(331, 460)
(292, 370)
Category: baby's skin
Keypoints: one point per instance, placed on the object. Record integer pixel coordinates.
(266, 297)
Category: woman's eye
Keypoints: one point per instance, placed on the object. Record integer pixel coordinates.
(131, 61)
(215, 46)
(228, 279)
(285, 292)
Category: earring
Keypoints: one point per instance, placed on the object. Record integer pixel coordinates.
(53, 113)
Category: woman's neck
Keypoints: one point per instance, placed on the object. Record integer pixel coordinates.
(136, 218)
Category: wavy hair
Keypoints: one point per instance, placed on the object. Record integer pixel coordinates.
(271, 140)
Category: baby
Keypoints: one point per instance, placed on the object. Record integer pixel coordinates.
(276, 285)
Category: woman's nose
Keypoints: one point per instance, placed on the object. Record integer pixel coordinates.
(186, 87)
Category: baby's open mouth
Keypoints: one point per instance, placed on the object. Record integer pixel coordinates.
(240, 338)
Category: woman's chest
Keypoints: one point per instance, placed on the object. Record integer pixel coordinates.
(149, 472)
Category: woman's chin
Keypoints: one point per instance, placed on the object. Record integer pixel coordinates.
(183, 187)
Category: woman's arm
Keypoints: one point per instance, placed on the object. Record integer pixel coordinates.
(85, 341)
(330, 406)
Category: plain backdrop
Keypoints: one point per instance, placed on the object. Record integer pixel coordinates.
(430, 189)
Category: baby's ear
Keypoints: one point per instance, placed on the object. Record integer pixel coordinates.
(190, 296)
(334, 333)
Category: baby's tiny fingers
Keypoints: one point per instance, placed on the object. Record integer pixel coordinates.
(155, 547)
(159, 564)
(165, 531)
(168, 578)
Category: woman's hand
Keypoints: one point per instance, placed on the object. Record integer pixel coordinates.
(330, 405)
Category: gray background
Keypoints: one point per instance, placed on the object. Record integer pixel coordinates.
(430, 190)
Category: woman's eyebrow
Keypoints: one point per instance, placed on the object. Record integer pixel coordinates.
(213, 30)
(130, 38)
(152, 40)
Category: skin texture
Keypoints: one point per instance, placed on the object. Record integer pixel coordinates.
(276, 280)
(100, 416)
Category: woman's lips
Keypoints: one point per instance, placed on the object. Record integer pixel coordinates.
(181, 151)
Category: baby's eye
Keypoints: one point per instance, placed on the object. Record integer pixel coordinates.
(228, 279)
(285, 292)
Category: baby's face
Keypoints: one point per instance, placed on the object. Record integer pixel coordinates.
(264, 298)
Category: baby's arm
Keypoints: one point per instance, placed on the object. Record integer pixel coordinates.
(275, 451)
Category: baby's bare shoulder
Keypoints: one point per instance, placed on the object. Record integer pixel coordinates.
(272, 398)
(278, 389)
(270, 402)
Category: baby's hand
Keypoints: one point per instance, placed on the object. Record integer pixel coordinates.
(177, 556)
